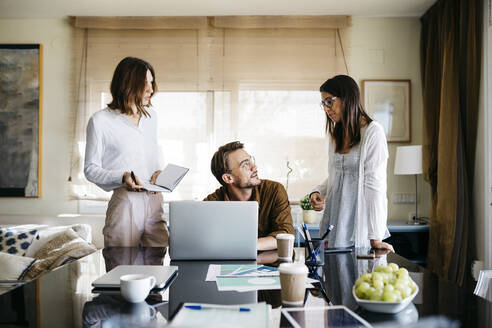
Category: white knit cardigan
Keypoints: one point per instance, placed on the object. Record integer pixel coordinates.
(372, 203)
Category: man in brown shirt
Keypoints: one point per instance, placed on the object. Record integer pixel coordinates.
(236, 171)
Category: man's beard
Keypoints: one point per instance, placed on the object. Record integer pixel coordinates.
(247, 184)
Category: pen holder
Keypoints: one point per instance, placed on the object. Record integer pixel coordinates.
(315, 252)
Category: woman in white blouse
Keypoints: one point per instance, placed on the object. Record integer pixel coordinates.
(121, 142)
(354, 194)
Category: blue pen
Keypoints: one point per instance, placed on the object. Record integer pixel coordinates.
(308, 235)
(308, 239)
(199, 307)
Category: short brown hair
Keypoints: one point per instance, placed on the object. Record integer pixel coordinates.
(128, 85)
(219, 163)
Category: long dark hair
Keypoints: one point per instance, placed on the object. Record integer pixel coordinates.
(128, 85)
(346, 89)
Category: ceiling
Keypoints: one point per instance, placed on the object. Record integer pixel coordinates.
(63, 8)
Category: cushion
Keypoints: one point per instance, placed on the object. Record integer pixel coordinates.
(65, 247)
(13, 267)
(16, 240)
(46, 234)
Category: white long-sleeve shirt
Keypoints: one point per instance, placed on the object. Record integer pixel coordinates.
(372, 203)
(114, 146)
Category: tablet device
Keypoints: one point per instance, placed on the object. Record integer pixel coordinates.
(328, 316)
(162, 275)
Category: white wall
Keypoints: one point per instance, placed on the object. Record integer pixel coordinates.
(389, 48)
(378, 48)
(479, 181)
(55, 36)
(482, 193)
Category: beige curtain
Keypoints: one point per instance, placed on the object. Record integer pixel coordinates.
(228, 60)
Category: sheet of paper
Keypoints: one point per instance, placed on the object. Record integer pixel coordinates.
(213, 315)
(244, 284)
(213, 271)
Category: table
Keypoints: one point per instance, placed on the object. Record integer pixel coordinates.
(410, 241)
(63, 297)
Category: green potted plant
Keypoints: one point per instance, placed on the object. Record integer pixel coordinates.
(309, 215)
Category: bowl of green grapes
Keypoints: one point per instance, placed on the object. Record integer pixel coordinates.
(388, 289)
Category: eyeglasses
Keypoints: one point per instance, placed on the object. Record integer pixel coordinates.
(327, 102)
(247, 164)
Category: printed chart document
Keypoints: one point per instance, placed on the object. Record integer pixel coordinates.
(214, 315)
(239, 270)
(168, 179)
(246, 277)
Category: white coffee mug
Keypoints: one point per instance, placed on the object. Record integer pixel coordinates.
(139, 312)
(136, 287)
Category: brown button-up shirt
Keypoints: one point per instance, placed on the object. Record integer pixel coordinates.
(274, 210)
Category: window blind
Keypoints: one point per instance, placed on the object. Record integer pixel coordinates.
(219, 79)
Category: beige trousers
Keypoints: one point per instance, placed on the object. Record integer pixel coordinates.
(135, 218)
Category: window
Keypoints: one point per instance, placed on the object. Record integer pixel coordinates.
(216, 85)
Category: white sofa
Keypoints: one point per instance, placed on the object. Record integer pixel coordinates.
(29, 250)
(96, 222)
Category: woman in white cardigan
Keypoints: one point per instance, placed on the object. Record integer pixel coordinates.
(354, 194)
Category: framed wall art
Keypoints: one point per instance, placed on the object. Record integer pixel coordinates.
(20, 120)
(388, 102)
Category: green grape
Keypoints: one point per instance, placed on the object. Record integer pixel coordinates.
(386, 277)
(413, 285)
(404, 279)
(389, 297)
(367, 277)
(378, 284)
(389, 288)
(362, 290)
(402, 272)
(380, 268)
(358, 282)
(376, 295)
(387, 269)
(377, 276)
(400, 285)
(364, 287)
(394, 266)
(407, 291)
(359, 293)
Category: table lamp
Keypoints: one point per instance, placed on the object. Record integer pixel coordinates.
(408, 161)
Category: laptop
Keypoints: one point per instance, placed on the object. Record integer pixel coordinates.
(213, 230)
(163, 275)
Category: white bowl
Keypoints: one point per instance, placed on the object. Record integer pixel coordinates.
(385, 307)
